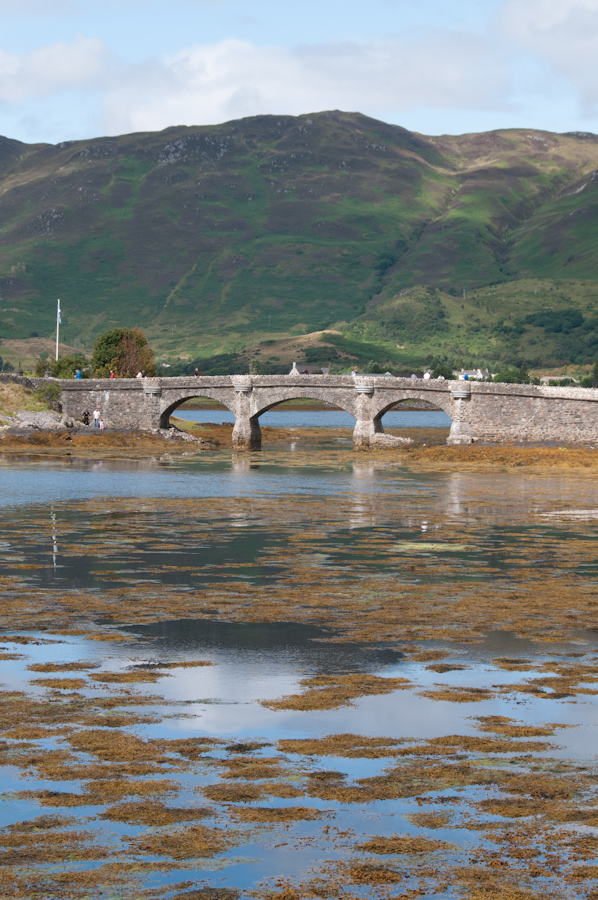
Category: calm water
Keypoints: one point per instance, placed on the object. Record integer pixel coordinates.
(222, 524)
(212, 476)
(263, 661)
(323, 418)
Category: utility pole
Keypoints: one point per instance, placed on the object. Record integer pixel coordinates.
(58, 324)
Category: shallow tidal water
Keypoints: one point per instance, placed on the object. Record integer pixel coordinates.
(301, 673)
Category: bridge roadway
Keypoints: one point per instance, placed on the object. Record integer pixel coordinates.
(494, 413)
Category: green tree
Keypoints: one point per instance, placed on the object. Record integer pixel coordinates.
(49, 392)
(125, 351)
(255, 367)
(513, 375)
(507, 376)
(63, 367)
(443, 369)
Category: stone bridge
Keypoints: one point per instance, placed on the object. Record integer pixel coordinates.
(479, 411)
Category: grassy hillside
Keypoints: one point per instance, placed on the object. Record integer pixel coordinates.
(257, 232)
(542, 322)
(14, 399)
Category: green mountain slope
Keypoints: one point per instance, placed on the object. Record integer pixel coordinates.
(215, 238)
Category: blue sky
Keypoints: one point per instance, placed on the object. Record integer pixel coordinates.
(84, 68)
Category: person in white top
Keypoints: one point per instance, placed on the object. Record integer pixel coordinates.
(96, 418)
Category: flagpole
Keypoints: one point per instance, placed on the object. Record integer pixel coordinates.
(57, 326)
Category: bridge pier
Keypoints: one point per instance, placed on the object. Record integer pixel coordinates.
(365, 431)
(461, 430)
(150, 411)
(247, 434)
(368, 424)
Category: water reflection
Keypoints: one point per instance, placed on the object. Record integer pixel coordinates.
(255, 662)
(262, 661)
(375, 515)
(265, 645)
(54, 538)
(210, 543)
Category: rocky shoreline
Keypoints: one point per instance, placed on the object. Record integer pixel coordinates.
(49, 433)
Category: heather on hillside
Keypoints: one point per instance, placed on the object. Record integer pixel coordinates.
(215, 238)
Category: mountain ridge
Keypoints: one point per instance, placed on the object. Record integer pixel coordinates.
(214, 238)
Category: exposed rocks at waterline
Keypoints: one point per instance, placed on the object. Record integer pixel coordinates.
(391, 440)
(480, 456)
(416, 448)
(93, 442)
(25, 422)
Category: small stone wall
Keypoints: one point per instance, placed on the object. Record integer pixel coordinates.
(23, 380)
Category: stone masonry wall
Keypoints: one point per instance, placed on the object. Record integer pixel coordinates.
(122, 402)
(492, 413)
(530, 413)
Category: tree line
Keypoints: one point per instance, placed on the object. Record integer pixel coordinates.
(122, 352)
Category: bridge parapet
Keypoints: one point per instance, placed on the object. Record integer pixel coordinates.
(479, 411)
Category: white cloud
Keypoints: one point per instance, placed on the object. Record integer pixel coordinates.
(537, 56)
(530, 18)
(46, 70)
(231, 79)
(563, 34)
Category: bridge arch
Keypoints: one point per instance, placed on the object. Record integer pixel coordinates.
(250, 432)
(306, 393)
(442, 401)
(171, 403)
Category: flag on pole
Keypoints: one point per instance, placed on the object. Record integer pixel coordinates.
(59, 316)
